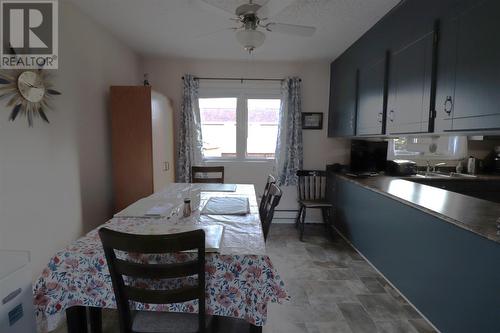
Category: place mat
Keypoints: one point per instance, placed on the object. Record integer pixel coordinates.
(218, 187)
(213, 233)
(162, 209)
(226, 206)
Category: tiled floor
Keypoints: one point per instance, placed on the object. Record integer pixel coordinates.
(333, 290)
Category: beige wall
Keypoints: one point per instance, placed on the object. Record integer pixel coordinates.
(55, 179)
(319, 150)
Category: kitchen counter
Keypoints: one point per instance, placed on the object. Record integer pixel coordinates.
(438, 247)
(465, 177)
(475, 215)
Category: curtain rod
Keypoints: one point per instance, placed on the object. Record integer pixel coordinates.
(235, 79)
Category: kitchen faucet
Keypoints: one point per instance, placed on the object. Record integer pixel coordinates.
(433, 168)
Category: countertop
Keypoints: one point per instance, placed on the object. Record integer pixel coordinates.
(475, 215)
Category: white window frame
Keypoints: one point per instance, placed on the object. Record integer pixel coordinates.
(242, 95)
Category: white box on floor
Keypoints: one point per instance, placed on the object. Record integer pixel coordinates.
(16, 295)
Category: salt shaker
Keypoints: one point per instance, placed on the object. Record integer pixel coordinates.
(187, 207)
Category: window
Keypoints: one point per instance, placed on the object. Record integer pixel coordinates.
(218, 126)
(263, 118)
(428, 148)
(242, 127)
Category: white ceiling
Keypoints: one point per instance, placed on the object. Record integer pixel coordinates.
(194, 29)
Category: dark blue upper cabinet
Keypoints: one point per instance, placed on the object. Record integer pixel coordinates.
(439, 81)
(410, 84)
(342, 110)
(371, 93)
(468, 93)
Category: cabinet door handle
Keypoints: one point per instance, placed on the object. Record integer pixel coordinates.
(379, 118)
(448, 105)
(391, 115)
(166, 166)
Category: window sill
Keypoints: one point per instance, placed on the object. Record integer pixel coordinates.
(235, 160)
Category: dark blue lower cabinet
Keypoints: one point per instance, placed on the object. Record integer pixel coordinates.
(450, 274)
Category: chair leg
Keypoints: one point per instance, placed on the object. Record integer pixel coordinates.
(95, 319)
(255, 329)
(324, 216)
(297, 220)
(215, 326)
(329, 212)
(302, 224)
(76, 318)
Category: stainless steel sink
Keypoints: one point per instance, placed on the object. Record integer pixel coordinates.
(462, 175)
(424, 174)
(443, 175)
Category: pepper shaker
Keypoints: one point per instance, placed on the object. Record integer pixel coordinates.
(187, 207)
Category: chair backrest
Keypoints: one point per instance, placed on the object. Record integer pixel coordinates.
(270, 180)
(154, 244)
(272, 201)
(311, 185)
(207, 174)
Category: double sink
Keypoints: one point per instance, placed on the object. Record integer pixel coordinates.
(444, 175)
(481, 187)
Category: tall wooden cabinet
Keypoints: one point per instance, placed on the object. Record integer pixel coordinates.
(142, 143)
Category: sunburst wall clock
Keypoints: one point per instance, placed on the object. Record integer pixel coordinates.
(28, 93)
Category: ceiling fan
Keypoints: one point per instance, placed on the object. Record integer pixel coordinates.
(252, 19)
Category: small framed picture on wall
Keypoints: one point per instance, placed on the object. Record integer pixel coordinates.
(312, 120)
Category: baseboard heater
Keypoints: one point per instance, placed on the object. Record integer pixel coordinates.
(289, 216)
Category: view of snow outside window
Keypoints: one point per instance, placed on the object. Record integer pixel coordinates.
(263, 118)
(219, 127)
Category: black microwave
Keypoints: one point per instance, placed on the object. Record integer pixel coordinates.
(368, 156)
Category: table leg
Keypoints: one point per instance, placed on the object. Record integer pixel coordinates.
(255, 329)
(95, 319)
(76, 317)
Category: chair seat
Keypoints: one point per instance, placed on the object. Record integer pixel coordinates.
(315, 203)
(166, 322)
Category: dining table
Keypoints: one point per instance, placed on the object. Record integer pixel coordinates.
(240, 278)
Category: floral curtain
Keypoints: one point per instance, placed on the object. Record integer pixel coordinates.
(289, 153)
(190, 140)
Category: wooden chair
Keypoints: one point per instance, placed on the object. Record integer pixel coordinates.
(150, 321)
(272, 201)
(209, 174)
(270, 180)
(312, 194)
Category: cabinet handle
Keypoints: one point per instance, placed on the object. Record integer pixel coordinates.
(448, 105)
(166, 166)
(391, 115)
(379, 118)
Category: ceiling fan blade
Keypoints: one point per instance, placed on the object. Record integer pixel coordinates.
(271, 8)
(215, 32)
(221, 6)
(291, 29)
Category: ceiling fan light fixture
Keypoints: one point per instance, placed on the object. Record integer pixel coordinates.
(250, 39)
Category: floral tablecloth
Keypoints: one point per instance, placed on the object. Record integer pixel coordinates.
(237, 284)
